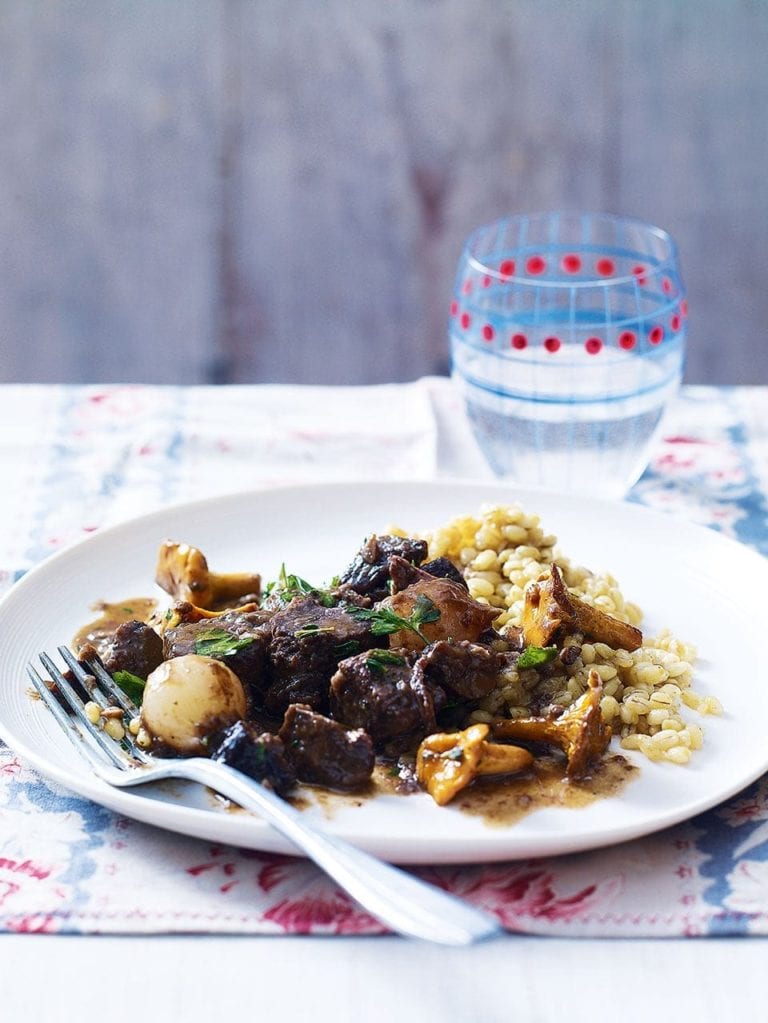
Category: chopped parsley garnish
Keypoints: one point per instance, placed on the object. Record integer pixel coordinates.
(131, 684)
(536, 656)
(384, 621)
(219, 643)
(347, 649)
(311, 630)
(287, 586)
(377, 660)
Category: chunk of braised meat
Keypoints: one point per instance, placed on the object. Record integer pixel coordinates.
(379, 692)
(458, 615)
(324, 752)
(239, 639)
(369, 572)
(260, 755)
(134, 647)
(307, 642)
(443, 568)
(466, 670)
(404, 574)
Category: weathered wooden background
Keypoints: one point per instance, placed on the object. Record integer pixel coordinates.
(249, 190)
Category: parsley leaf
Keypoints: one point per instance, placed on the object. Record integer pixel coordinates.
(311, 630)
(287, 586)
(424, 611)
(384, 621)
(378, 659)
(536, 656)
(347, 649)
(131, 684)
(220, 643)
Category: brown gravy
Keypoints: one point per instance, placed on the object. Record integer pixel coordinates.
(501, 802)
(111, 616)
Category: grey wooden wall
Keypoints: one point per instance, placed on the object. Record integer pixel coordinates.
(247, 190)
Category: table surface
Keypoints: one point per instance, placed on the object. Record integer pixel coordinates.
(194, 977)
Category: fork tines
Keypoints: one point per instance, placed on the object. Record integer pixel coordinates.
(94, 679)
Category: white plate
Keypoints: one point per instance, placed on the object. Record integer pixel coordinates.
(707, 589)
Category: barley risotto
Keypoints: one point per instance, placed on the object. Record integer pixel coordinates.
(646, 692)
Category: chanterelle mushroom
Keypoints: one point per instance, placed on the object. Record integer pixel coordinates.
(183, 572)
(549, 607)
(454, 614)
(448, 761)
(579, 731)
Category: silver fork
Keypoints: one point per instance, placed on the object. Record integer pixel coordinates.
(400, 901)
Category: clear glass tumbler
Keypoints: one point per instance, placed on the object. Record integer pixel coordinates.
(567, 335)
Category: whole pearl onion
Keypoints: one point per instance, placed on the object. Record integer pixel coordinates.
(186, 698)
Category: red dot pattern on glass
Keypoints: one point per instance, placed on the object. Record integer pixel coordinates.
(593, 345)
(467, 287)
(488, 332)
(486, 281)
(552, 344)
(519, 341)
(536, 265)
(627, 340)
(656, 335)
(571, 263)
(675, 322)
(639, 272)
(507, 268)
(605, 267)
(454, 307)
(684, 307)
(465, 320)
(666, 286)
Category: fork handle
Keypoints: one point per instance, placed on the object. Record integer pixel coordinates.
(399, 900)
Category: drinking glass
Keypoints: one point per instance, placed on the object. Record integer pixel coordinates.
(567, 336)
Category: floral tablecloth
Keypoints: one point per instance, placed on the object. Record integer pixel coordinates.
(75, 459)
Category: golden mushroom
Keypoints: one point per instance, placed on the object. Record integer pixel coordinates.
(549, 607)
(182, 571)
(448, 761)
(579, 731)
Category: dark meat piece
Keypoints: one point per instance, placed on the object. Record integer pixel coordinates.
(259, 755)
(325, 753)
(307, 642)
(249, 633)
(442, 568)
(134, 647)
(464, 669)
(378, 691)
(369, 572)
